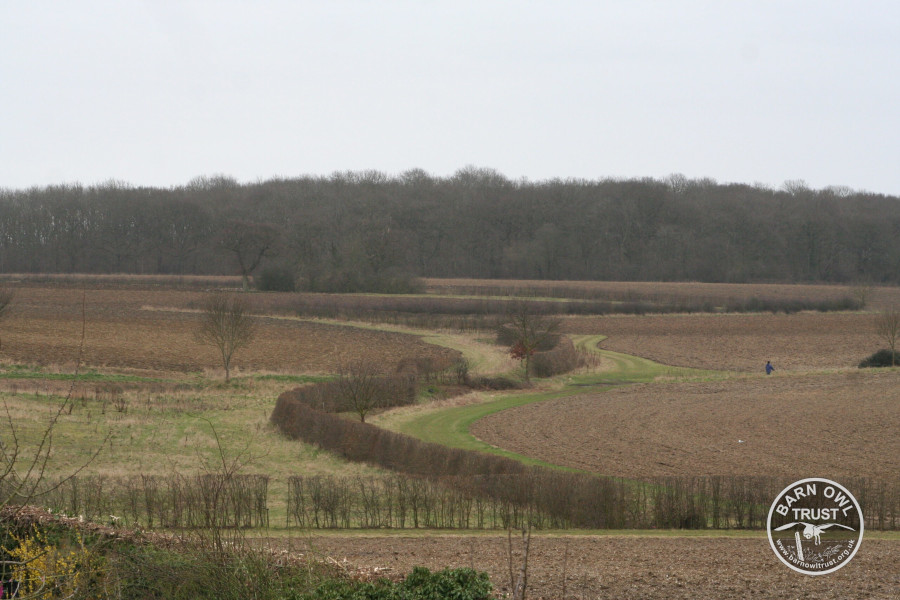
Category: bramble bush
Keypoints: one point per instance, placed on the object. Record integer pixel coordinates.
(882, 358)
(276, 279)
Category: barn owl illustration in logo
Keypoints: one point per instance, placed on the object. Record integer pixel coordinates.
(811, 531)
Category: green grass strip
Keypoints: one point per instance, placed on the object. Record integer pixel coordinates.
(17, 372)
(451, 426)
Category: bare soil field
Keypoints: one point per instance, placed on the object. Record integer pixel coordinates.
(828, 425)
(878, 297)
(739, 342)
(154, 330)
(625, 567)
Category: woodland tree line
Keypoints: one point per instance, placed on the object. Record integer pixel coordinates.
(364, 230)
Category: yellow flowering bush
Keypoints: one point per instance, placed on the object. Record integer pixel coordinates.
(45, 570)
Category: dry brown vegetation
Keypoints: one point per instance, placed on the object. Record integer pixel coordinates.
(796, 342)
(794, 426)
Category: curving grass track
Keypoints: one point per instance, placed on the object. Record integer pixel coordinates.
(450, 426)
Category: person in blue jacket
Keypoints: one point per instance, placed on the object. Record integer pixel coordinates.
(769, 368)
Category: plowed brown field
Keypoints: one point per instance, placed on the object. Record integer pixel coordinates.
(802, 341)
(632, 568)
(154, 330)
(794, 426)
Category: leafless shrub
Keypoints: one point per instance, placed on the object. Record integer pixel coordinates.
(887, 326)
(360, 387)
(562, 358)
(862, 292)
(226, 323)
(6, 298)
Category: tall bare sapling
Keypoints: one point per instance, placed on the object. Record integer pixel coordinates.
(6, 298)
(226, 324)
(887, 326)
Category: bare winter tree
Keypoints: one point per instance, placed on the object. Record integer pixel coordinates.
(250, 243)
(362, 387)
(226, 323)
(530, 331)
(887, 325)
(6, 298)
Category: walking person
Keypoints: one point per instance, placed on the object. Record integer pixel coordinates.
(769, 368)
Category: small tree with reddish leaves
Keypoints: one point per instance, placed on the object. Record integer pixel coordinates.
(519, 351)
(531, 332)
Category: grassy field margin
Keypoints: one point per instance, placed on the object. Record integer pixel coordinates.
(451, 426)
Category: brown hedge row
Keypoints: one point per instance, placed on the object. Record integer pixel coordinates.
(176, 501)
(553, 498)
(562, 358)
(363, 442)
(573, 499)
(328, 396)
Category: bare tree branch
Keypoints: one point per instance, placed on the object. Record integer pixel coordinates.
(6, 298)
(25, 483)
(887, 326)
(531, 331)
(362, 387)
(250, 243)
(228, 325)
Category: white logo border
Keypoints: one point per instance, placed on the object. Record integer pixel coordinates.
(862, 526)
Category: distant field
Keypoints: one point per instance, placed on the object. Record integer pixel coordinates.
(835, 425)
(877, 296)
(153, 330)
(796, 342)
(157, 393)
(624, 290)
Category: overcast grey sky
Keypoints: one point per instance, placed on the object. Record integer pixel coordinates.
(158, 92)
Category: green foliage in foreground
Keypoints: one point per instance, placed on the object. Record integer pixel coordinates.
(84, 565)
(31, 372)
(421, 584)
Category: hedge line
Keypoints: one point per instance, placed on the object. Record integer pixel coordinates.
(195, 501)
(564, 499)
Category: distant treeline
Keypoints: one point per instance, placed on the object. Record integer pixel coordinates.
(368, 230)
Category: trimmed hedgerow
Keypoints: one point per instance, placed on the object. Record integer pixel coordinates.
(562, 358)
